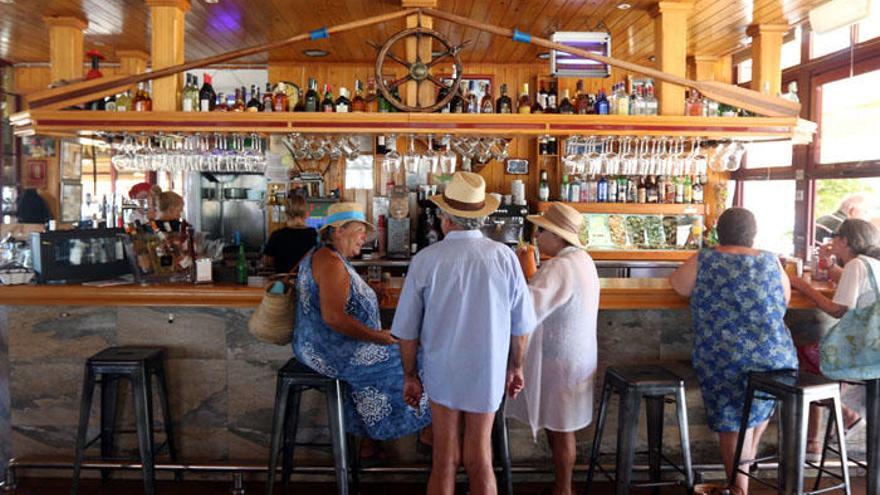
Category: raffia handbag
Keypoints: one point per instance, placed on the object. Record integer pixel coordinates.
(273, 320)
(851, 348)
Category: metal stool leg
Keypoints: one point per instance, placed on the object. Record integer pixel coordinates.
(291, 426)
(872, 413)
(841, 442)
(167, 422)
(337, 436)
(627, 436)
(85, 408)
(744, 424)
(793, 445)
(654, 413)
(684, 435)
(826, 446)
(281, 394)
(597, 435)
(143, 409)
(109, 397)
(501, 441)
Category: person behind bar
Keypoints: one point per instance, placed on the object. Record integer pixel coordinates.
(145, 195)
(287, 245)
(169, 207)
(465, 303)
(338, 333)
(739, 296)
(855, 243)
(560, 361)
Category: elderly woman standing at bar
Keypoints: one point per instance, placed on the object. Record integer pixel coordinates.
(338, 332)
(739, 296)
(560, 360)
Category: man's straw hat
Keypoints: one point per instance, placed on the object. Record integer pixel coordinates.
(465, 196)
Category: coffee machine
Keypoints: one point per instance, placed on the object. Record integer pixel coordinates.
(398, 244)
(506, 224)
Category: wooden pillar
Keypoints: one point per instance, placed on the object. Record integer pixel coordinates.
(766, 56)
(724, 69)
(413, 93)
(670, 47)
(65, 47)
(702, 67)
(166, 49)
(132, 61)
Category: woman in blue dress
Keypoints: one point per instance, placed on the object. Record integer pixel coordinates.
(738, 299)
(338, 332)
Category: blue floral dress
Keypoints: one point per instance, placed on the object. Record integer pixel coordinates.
(373, 373)
(737, 308)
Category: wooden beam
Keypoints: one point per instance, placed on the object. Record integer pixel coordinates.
(767, 57)
(65, 47)
(415, 4)
(670, 48)
(167, 48)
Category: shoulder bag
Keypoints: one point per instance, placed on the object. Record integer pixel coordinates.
(851, 348)
(273, 320)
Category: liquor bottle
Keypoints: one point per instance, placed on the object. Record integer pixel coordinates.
(343, 104)
(458, 104)
(542, 145)
(185, 101)
(602, 107)
(622, 189)
(650, 100)
(669, 188)
(538, 104)
(543, 187)
(632, 190)
(486, 105)
(642, 191)
(473, 103)
(123, 102)
(582, 100)
(372, 100)
(327, 104)
(207, 96)
(241, 268)
(222, 104)
(525, 103)
(381, 149)
(441, 94)
(382, 104)
(565, 189)
(565, 105)
(358, 104)
(312, 98)
(612, 190)
(688, 190)
(652, 196)
(279, 99)
(503, 104)
(395, 93)
(255, 104)
(698, 196)
(622, 100)
(144, 103)
(194, 93)
(575, 192)
(238, 103)
(300, 102)
(268, 99)
(679, 190)
(110, 103)
(602, 190)
(637, 102)
(550, 100)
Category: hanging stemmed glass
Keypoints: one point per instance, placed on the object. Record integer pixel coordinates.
(431, 158)
(391, 161)
(448, 158)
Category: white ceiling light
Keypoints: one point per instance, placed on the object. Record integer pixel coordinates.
(7, 1)
(624, 6)
(313, 52)
(211, 1)
(838, 13)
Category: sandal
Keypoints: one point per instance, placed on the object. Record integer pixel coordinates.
(854, 427)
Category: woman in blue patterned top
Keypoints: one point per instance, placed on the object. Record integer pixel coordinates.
(738, 299)
(338, 332)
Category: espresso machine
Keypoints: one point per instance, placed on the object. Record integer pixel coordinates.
(398, 244)
(506, 224)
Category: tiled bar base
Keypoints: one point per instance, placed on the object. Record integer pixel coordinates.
(222, 380)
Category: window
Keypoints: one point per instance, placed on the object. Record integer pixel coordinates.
(744, 71)
(849, 107)
(768, 154)
(791, 50)
(776, 230)
(870, 27)
(830, 42)
(830, 193)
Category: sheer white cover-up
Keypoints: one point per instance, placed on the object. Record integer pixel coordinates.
(560, 360)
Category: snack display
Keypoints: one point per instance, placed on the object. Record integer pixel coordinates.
(617, 227)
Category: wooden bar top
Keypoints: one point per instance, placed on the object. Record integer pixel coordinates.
(616, 293)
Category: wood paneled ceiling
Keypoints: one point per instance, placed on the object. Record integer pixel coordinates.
(716, 27)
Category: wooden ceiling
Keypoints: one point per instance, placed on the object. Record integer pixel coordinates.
(716, 27)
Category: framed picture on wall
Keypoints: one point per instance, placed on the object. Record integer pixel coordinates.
(517, 166)
(71, 161)
(71, 201)
(35, 170)
(37, 146)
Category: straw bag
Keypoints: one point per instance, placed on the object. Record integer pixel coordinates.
(273, 320)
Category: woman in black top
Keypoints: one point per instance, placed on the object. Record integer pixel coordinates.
(289, 244)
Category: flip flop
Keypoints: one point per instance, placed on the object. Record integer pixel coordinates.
(854, 428)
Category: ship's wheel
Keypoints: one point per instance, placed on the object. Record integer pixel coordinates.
(419, 71)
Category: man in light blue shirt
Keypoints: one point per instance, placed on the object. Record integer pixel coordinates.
(466, 303)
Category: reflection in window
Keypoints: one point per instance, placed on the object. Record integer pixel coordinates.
(768, 154)
(744, 71)
(870, 27)
(776, 229)
(850, 110)
(830, 42)
(791, 50)
(832, 193)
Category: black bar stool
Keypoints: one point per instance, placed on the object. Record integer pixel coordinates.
(632, 384)
(138, 365)
(872, 416)
(501, 448)
(795, 391)
(294, 378)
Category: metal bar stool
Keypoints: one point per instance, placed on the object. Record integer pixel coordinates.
(795, 391)
(294, 378)
(655, 385)
(501, 447)
(872, 416)
(139, 365)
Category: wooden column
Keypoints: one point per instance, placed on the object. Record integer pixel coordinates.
(132, 61)
(411, 93)
(670, 48)
(724, 69)
(702, 67)
(766, 55)
(65, 47)
(166, 49)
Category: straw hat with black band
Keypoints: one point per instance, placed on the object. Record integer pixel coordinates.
(562, 220)
(339, 214)
(465, 197)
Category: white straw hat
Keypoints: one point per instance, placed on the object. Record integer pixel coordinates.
(465, 196)
(562, 220)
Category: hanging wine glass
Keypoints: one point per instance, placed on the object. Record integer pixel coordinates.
(448, 158)
(431, 158)
(391, 161)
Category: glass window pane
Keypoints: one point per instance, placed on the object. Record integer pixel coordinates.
(772, 202)
(768, 154)
(870, 27)
(850, 107)
(744, 71)
(830, 42)
(791, 50)
(842, 195)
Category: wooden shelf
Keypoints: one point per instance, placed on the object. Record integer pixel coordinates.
(633, 208)
(646, 255)
(73, 122)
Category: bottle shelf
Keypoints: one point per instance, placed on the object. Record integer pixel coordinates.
(633, 208)
(79, 122)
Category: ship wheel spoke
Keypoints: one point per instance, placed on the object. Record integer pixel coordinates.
(438, 82)
(400, 81)
(397, 59)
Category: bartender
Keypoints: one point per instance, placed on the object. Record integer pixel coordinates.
(144, 194)
(169, 208)
(288, 245)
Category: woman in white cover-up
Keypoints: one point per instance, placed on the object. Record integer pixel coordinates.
(560, 362)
